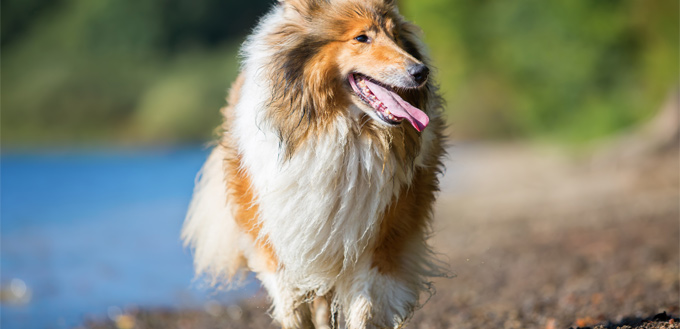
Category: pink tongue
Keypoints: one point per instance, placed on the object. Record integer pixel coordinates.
(399, 107)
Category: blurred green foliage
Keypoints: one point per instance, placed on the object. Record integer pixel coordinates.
(156, 71)
(566, 70)
(120, 71)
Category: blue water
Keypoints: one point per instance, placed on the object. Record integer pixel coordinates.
(89, 232)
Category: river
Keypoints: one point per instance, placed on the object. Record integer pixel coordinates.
(90, 234)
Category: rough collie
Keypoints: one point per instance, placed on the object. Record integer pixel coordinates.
(326, 170)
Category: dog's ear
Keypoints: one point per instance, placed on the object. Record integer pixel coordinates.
(304, 7)
(386, 2)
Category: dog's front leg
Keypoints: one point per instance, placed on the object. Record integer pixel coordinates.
(289, 308)
(375, 298)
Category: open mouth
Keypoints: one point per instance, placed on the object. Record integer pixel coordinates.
(388, 105)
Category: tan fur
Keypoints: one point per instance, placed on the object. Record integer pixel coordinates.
(246, 210)
(407, 217)
(239, 185)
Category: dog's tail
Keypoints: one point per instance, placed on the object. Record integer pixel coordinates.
(209, 228)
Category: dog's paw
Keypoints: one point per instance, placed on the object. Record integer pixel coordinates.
(365, 312)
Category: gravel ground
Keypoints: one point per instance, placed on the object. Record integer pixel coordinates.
(535, 238)
(559, 248)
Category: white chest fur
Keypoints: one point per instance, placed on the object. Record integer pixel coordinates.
(320, 208)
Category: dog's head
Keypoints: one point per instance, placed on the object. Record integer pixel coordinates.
(339, 52)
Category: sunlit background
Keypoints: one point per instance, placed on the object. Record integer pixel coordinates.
(107, 104)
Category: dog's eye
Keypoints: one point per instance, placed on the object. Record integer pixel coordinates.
(362, 38)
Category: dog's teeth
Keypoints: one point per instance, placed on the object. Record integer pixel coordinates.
(373, 100)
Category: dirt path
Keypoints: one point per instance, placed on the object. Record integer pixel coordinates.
(542, 241)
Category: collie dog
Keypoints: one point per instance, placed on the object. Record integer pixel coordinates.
(326, 170)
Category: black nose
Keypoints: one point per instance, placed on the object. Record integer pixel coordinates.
(419, 72)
